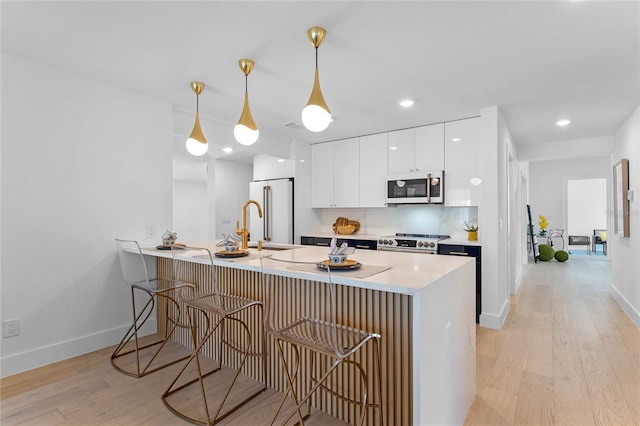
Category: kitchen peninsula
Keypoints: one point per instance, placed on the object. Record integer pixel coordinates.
(423, 306)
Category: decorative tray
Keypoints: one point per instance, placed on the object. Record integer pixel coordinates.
(236, 253)
(349, 265)
(163, 247)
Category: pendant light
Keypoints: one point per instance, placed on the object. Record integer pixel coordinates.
(246, 132)
(316, 116)
(197, 144)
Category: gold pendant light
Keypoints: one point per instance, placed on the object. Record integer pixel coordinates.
(316, 115)
(196, 143)
(246, 132)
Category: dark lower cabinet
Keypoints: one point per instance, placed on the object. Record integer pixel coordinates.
(474, 251)
(326, 241)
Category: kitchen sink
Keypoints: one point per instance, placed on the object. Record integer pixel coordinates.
(274, 247)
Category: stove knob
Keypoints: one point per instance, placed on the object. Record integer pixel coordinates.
(380, 242)
(432, 244)
(420, 243)
(385, 242)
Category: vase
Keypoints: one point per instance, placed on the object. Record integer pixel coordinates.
(472, 235)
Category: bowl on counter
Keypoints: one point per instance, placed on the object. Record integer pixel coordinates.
(338, 259)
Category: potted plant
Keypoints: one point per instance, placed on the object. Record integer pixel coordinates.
(542, 221)
(472, 231)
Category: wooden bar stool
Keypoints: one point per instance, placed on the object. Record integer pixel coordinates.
(211, 313)
(135, 274)
(314, 328)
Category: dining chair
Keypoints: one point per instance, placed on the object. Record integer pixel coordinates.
(212, 313)
(134, 272)
(313, 327)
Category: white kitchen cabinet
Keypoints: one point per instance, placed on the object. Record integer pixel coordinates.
(322, 175)
(335, 174)
(401, 151)
(373, 170)
(462, 182)
(416, 150)
(429, 148)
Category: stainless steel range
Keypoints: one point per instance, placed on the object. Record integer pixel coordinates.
(416, 243)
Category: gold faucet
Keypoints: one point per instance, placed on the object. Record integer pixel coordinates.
(244, 231)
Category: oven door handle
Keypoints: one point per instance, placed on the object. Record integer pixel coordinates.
(428, 187)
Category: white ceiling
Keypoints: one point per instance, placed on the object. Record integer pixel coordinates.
(539, 60)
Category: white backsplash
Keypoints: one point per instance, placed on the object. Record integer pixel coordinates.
(420, 219)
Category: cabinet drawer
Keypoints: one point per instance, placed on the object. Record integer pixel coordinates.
(458, 249)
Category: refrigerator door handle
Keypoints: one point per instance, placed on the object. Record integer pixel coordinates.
(266, 203)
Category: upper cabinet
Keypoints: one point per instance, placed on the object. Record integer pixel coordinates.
(353, 172)
(335, 177)
(373, 170)
(429, 148)
(401, 151)
(462, 182)
(416, 150)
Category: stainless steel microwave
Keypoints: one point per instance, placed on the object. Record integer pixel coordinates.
(423, 188)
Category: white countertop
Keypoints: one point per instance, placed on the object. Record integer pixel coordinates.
(375, 237)
(408, 273)
(460, 241)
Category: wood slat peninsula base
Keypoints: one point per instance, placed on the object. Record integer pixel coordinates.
(386, 313)
(428, 332)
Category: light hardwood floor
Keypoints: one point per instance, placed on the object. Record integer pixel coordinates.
(567, 355)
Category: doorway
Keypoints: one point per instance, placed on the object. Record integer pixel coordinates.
(586, 214)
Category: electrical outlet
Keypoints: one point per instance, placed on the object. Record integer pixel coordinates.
(151, 231)
(12, 328)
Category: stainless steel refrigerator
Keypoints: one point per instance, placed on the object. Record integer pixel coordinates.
(276, 198)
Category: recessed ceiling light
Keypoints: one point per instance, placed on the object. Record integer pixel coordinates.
(456, 140)
(302, 161)
(228, 150)
(393, 148)
(406, 103)
(280, 160)
(563, 122)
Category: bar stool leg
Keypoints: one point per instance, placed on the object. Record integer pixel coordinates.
(220, 325)
(290, 382)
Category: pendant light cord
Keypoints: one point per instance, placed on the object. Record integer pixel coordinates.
(316, 58)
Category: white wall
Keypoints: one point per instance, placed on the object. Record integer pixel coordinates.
(587, 147)
(495, 293)
(547, 185)
(586, 206)
(190, 210)
(231, 191)
(625, 252)
(83, 162)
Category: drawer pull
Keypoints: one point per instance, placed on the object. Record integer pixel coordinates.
(361, 246)
(322, 244)
(461, 253)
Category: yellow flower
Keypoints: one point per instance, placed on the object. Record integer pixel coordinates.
(542, 221)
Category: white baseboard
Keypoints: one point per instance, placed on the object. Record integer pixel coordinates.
(495, 321)
(38, 357)
(626, 306)
(518, 281)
